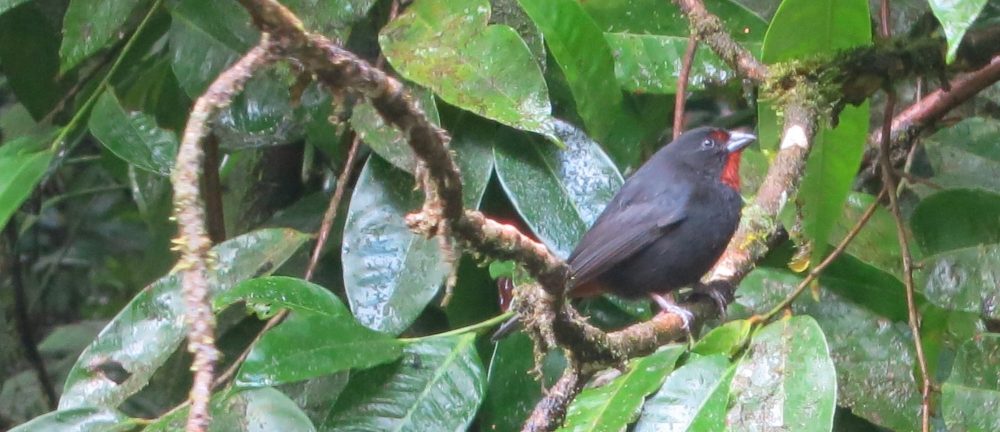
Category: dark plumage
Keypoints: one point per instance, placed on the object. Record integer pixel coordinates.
(668, 224)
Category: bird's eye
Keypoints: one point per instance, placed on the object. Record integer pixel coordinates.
(708, 143)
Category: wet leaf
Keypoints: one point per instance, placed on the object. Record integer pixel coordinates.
(971, 395)
(29, 52)
(786, 379)
(559, 193)
(726, 339)
(133, 135)
(836, 153)
(693, 398)
(876, 243)
(6, 5)
(87, 29)
(386, 140)
(79, 420)
(253, 410)
(613, 406)
(336, 341)
(873, 355)
(511, 391)
(436, 386)
(956, 16)
(390, 273)
(965, 155)
(23, 162)
(446, 45)
(956, 219)
(151, 327)
(579, 48)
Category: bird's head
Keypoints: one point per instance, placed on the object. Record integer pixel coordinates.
(712, 151)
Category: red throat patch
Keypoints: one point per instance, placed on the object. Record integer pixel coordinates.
(731, 172)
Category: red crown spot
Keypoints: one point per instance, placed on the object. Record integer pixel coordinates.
(731, 172)
(719, 136)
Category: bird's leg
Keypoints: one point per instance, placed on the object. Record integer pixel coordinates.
(667, 304)
(720, 291)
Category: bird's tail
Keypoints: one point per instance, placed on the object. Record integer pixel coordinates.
(510, 326)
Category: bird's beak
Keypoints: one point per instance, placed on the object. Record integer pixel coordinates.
(738, 141)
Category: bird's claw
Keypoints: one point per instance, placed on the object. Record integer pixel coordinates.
(719, 291)
(668, 306)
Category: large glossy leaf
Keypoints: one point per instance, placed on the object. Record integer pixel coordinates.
(336, 341)
(956, 16)
(151, 327)
(973, 388)
(88, 27)
(23, 161)
(559, 193)
(437, 386)
(390, 273)
(836, 153)
(693, 398)
(876, 243)
(786, 378)
(79, 420)
(512, 391)
(387, 140)
(648, 47)
(874, 356)
(446, 45)
(726, 339)
(965, 155)
(253, 410)
(205, 38)
(578, 46)
(9, 4)
(133, 135)
(956, 219)
(613, 406)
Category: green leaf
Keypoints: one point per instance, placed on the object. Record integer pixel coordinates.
(253, 410)
(386, 140)
(333, 18)
(876, 243)
(205, 38)
(23, 162)
(836, 153)
(613, 406)
(87, 28)
(956, 16)
(29, 55)
(6, 5)
(578, 46)
(79, 420)
(447, 46)
(512, 391)
(390, 273)
(336, 341)
(956, 219)
(874, 357)
(786, 378)
(726, 339)
(559, 193)
(437, 386)
(965, 155)
(151, 327)
(693, 398)
(973, 388)
(133, 135)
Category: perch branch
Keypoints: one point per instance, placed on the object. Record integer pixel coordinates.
(548, 414)
(192, 240)
(709, 29)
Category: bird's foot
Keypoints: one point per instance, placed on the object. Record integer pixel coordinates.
(720, 291)
(667, 305)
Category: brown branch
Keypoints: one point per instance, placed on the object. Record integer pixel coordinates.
(192, 240)
(331, 209)
(22, 320)
(549, 412)
(710, 30)
(682, 83)
(889, 184)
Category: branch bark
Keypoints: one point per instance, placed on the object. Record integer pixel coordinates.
(710, 30)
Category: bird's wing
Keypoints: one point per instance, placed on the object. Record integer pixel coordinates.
(622, 232)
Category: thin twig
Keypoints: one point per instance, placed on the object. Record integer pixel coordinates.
(836, 252)
(192, 240)
(331, 209)
(550, 411)
(889, 185)
(682, 83)
(22, 319)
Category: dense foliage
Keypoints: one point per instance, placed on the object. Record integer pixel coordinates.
(550, 105)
